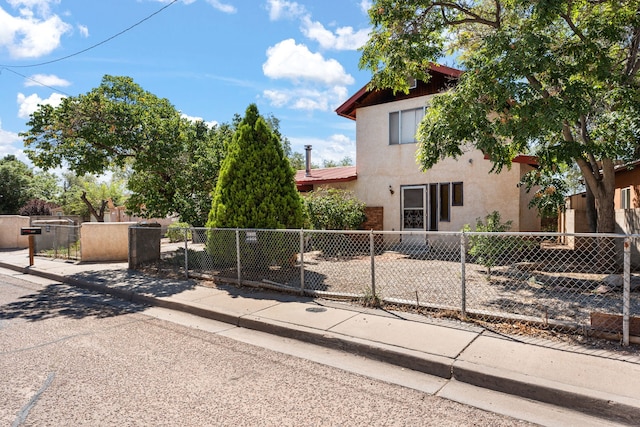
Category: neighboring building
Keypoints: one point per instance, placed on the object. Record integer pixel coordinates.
(627, 195)
(626, 203)
(445, 198)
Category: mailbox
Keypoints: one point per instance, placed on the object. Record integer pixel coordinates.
(30, 231)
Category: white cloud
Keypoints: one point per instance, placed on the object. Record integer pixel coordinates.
(365, 5)
(299, 99)
(194, 119)
(217, 4)
(84, 30)
(33, 33)
(288, 60)
(278, 98)
(222, 7)
(42, 6)
(334, 148)
(318, 83)
(46, 80)
(281, 9)
(8, 141)
(29, 104)
(344, 38)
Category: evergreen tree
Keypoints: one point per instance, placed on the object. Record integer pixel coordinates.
(15, 179)
(256, 186)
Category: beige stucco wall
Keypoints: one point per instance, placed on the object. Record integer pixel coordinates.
(105, 241)
(10, 237)
(380, 165)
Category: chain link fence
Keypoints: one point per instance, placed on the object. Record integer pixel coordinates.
(572, 283)
(58, 241)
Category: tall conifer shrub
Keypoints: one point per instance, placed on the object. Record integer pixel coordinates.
(255, 189)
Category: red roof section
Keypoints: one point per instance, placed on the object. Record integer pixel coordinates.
(521, 158)
(325, 176)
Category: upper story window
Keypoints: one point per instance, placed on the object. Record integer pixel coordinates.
(625, 198)
(404, 124)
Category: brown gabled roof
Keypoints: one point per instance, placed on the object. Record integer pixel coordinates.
(325, 176)
(441, 77)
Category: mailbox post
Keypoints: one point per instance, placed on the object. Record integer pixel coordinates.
(30, 231)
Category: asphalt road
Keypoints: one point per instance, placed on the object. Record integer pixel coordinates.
(69, 357)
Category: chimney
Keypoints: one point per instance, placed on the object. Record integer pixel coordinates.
(307, 149)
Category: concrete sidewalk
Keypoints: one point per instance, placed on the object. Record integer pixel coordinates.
(599, 383)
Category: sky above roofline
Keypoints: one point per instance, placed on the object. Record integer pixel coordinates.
(209, 58)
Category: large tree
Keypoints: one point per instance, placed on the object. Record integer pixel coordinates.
(184, 184)
(557, 79)
(119, 124)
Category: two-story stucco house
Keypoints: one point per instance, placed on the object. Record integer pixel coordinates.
(388, 179)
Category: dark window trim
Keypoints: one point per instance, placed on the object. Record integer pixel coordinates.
(443, 206)
(455, 202)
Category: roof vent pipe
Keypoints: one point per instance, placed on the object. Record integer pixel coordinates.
(307, 149)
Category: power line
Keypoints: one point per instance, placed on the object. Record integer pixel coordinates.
(93, 46)
(33, 80)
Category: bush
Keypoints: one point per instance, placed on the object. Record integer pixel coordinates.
(334, 209)
(37, 207)
(490, 250)
(175, 232)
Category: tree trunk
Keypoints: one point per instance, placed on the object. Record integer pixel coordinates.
(98, 215)
(592, 214)
(600, 179)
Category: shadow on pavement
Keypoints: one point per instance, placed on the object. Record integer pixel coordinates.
(134, 281)
(58, 300)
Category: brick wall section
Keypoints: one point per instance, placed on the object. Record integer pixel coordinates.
(374, 219)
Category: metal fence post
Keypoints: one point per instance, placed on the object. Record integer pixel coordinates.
(186, 253)
(626, 296)
(301, 260)
(372, 250)
(239, 265)
(55, 241)
(463, 278)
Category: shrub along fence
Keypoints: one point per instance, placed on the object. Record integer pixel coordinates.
(532, 278)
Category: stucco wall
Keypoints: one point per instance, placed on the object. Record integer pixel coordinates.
(10, 237)
(105, 241)
(624, 179)
(381, 165)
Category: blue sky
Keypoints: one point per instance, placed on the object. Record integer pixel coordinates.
(209, 58)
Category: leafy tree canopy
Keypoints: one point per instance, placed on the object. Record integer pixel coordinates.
(557, 79)
(120, 125)
(15, 179)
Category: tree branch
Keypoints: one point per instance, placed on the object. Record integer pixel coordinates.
(567, 18)
(98, 216)
(472, 17)
(633, 63)
(533, 81)
(584, 131)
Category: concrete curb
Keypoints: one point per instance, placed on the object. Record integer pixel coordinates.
(618, 408)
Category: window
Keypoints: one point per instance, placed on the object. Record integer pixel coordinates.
(444, 201)
(456, 197)
(625, 198)
(404, 124)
